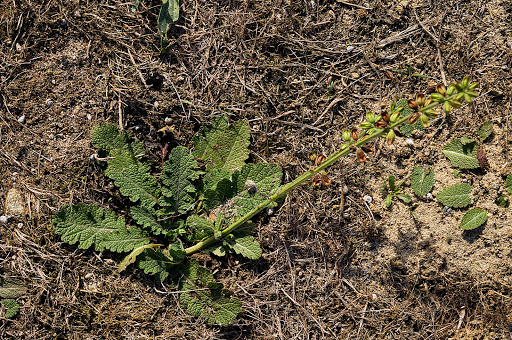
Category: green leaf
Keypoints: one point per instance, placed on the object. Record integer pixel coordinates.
(485, 130)
(169, 13)
(473, 219)
(389, 200)
(136, 183)
(223, 191)
(407, 128)
(199, 227)
(254, 184)
(456, 195)
(150, 219)
(205, 298)
(156, 263)
(124, 240)
(465, 140)
(124, 164)
(245, 246)
(422, 180)
(462, 156)
(91, 225)
(108, 137)
(179, 172)
(391, 181)
(223, 146)
(11, 307)
(404, 198)
(130, 258)
(508, 184)
(502, 201)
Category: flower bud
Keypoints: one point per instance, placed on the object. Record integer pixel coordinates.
(370, 117)
(390, 137)
(394, 117)
(465, 82)
(365, 125)
(431, 113)
(385, 117)
(425, 121)
(312, 156)
(414, 117)
(447, 107)
(420, 99)
(455, 103)
(450, 90)
(354, 134)
(441, 90)
(437, 97)
(412, 104)
(346, 135)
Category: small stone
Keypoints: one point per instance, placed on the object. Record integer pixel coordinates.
(168, 120)
(20, 225)
(429, 196)
(345, 190)
(89, 117)
(368, 199)
(409, 141)
(350, 48)
(14, 203)
(88, 275)
(49, 102)
(354, 75)
(21, 120)
(3, 219)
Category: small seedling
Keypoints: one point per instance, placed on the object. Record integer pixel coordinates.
(508, 184)
(502, 201)
(393, 190)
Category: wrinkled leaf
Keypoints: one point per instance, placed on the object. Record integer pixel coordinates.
(485, 130)
(179, 173)
(460, 155)
(91, 225)
(456, 195)
(422, 180)
(474, 218)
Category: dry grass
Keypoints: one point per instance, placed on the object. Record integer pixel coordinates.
(299, 72)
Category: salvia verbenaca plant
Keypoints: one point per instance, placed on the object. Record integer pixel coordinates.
(188, 208)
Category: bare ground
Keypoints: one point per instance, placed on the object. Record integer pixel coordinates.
(334, 265)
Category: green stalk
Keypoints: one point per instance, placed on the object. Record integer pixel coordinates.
(343, 151)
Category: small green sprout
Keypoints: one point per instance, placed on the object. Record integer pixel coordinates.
(392, 190)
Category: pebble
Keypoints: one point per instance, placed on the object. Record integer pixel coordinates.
(350, 48)
(429, 196)
(168, 120)
(21, 119)
(368, 199)
(409, 141)
(3, 219)
(88, 275)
